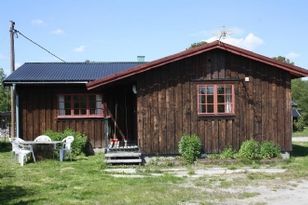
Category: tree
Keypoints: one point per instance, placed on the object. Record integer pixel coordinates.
(197, 44)
(283, 60)
(299, 89)
(4, 94)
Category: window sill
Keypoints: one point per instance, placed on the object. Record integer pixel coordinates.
(80, 117)
(221, 116)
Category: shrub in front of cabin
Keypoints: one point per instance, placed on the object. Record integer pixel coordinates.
(79, 143)
(190, 148)
(250, 150)
(269, 150)
(227, 153)
(299, 124)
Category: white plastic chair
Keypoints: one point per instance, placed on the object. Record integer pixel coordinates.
(66, 147)
(42, 138)
(14, 147)
(21, 151)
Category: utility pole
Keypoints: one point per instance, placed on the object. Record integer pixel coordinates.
(12, 53)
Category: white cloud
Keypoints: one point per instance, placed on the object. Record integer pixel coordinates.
(37, 22)
(250, 41)
(292, 55)
(80, 49)
(58, 31)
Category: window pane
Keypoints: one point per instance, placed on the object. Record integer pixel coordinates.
(210, 90)
(228, 103)
(202, 99)
(210, 108)
(67, 111)
(202, 90)
(220, 98)
(76, 105)
(67, 105)
(221, 108)
(220, 89)
(92, 111)
(228, 89)
(210, 99)
(83, 104)
(98, 104)
(92, 102)
(202, 108)
(61, 105)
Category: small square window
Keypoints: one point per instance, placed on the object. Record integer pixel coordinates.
(216, 99)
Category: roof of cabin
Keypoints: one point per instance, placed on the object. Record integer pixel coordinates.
(292, 69)
(66, 72)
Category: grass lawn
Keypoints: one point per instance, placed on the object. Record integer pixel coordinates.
(84, 181)
(301, 134)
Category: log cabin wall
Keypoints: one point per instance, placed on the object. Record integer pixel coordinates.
(39, 109)
(167, 104)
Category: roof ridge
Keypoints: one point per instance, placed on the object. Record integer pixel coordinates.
(96, 62)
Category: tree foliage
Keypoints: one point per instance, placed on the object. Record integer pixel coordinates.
(197, 44)
(4, 94)
(299, 89)
(300, 96)
(283, 60)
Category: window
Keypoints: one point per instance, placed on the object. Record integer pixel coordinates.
(80, 105)
(215, 99)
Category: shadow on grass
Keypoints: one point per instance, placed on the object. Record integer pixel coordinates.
(13, 195)
(5, 147)
(299, 150)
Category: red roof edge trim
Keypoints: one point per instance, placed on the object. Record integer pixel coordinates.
(294, 70)
(151, 65)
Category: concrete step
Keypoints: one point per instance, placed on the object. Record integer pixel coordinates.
(122, 154)
(123, 161)
(127, 148)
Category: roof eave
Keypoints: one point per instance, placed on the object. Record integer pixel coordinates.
(42, 82)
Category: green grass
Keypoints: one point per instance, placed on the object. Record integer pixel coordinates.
(84, 181)
(301, 134)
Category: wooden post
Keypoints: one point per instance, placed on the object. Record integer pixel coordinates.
(12, 53)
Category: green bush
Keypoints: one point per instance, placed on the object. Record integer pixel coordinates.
(189, 148)
(299, 125)
(250, 150)
(79, 143)
(227, 153)
(269, 150)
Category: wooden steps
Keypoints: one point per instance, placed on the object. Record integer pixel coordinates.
(123, 155)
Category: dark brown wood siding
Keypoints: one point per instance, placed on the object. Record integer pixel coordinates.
(38, 113)
(167, 104)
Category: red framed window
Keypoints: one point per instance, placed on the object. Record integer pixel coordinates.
(80, 105)
(216, 99)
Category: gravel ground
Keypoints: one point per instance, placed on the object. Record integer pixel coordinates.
(300, 139)
(271, 192)
(279, 193)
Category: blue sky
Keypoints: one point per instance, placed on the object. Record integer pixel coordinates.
(115, 30)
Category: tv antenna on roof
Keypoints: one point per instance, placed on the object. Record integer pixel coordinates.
(223, 33)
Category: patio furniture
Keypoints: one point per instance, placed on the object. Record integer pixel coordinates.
(22, 151)
(42, 138)
(42, 147)
(66, 147)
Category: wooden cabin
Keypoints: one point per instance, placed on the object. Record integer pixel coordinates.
(222, 93)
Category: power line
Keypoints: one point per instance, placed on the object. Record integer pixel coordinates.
(45, 49)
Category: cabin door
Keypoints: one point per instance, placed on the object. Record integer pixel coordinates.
(124, 116)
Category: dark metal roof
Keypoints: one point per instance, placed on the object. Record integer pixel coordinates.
(295, 113)
(59, 72)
